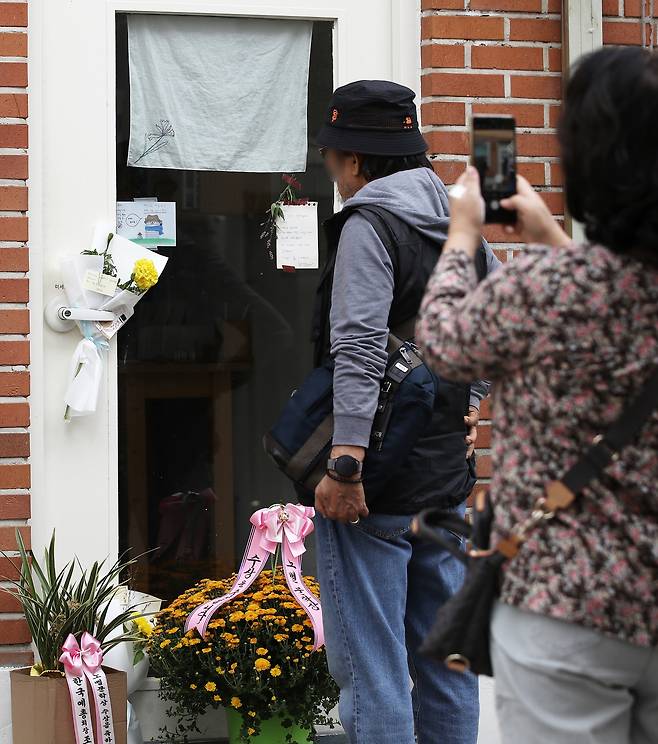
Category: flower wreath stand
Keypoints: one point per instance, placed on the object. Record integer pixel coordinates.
(252, 644)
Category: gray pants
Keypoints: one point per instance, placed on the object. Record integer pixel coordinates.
(560, 683)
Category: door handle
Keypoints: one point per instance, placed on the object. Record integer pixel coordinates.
(61, 318)
(81, 313)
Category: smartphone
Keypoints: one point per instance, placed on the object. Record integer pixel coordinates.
(493, 153)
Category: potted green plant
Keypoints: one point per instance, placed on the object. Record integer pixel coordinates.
(257, 661)
(66, 608)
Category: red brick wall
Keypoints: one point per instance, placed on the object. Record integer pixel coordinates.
(505, 56)
(494, 56)
(14, 316)
(623, 23)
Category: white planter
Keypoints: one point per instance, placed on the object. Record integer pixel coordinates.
(121, 657)
(152, 715)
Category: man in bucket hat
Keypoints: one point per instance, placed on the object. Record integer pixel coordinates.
(381, 588)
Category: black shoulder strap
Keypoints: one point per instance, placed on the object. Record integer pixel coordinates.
(381, 225)
(605, 448)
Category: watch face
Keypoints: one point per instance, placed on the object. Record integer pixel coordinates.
(346, 466)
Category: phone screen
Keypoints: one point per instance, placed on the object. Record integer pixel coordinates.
(494, 155)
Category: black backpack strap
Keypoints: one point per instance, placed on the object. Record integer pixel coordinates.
(382, 225)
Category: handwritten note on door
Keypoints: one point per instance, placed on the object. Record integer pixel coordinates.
(297, 237)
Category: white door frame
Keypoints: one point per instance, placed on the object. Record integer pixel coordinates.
(582, 32)
(83, 507)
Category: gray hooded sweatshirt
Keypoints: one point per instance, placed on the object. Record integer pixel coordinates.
(363, 292)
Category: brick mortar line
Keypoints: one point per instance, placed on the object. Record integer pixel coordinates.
(491, 43)
(488, 100)
(15, 89)
(460, 157)
(491, 71)
(530, 15)
(464, 128)
(14, 647)
(495, 43)
(628, 20)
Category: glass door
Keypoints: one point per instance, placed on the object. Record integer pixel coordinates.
(210, 357)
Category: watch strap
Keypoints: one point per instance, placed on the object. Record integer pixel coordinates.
(331, 465)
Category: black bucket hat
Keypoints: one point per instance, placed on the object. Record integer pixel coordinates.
(373, 117)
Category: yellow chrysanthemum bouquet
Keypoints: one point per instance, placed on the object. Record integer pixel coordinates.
(256, 660)
(143, 277)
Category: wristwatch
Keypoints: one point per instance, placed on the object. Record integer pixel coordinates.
(344, 466)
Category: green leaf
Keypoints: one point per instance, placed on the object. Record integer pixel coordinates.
(69, 601)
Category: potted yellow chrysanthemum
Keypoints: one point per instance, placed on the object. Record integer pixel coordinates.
(256, 660)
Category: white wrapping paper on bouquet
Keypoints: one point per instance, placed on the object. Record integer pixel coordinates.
(85, 374)
(129, 270)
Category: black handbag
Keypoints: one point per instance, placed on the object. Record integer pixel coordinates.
(460, 635)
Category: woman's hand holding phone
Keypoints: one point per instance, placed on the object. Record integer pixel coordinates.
(535, 223)
(466, 213)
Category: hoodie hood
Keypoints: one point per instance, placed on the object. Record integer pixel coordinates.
(417, 197)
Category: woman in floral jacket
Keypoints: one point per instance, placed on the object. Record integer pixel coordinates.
(568, 334)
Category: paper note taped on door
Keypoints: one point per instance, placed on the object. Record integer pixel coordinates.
(297, 236)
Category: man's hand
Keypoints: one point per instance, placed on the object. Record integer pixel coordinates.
(344, 502)
(339, 500)
(471, 421)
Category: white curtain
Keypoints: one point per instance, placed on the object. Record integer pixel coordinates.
(219, 94)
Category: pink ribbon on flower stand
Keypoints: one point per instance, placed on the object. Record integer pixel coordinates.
(286, 526)
(82, 662)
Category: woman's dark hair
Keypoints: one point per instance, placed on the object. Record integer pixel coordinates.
(609, 138)
(380, 166)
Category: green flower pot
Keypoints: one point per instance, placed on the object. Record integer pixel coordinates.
(271, 731)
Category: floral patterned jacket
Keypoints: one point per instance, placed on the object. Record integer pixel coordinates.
(567, 336)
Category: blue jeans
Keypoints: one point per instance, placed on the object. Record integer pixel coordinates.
(381, 588)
